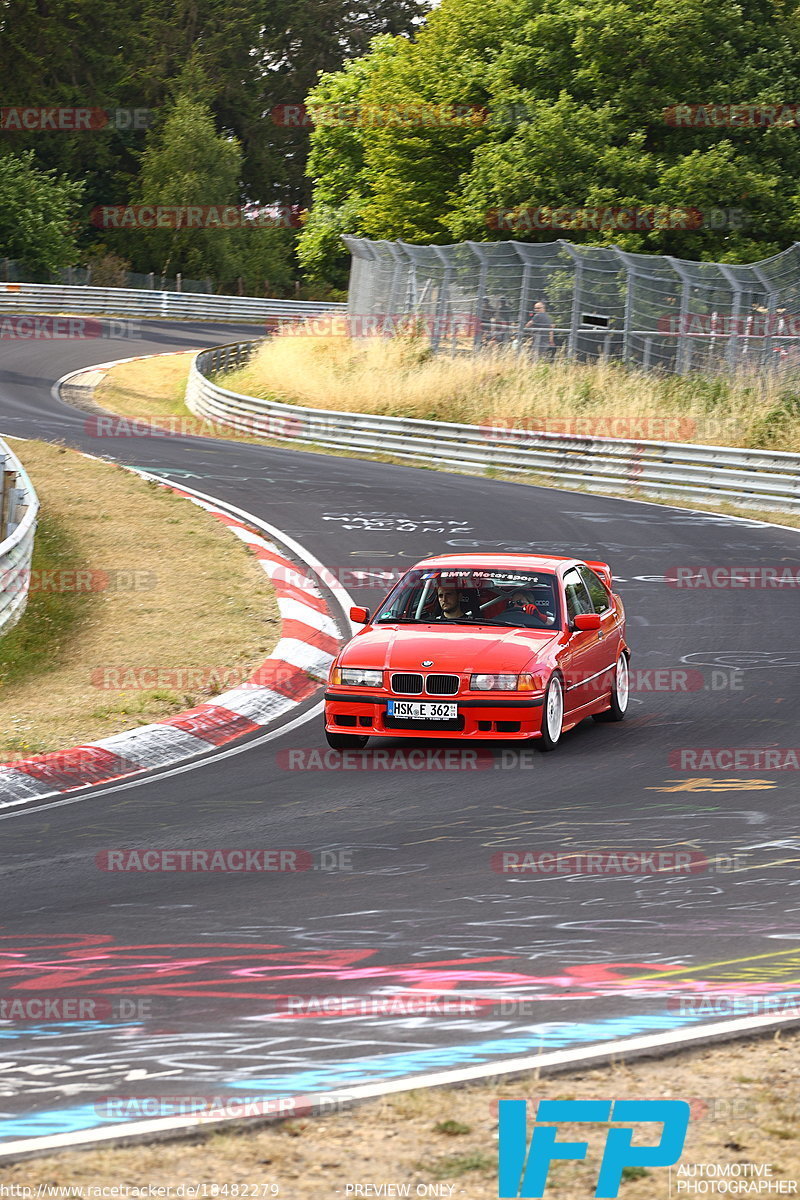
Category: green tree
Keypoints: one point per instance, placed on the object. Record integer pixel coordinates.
(337, 162)
(187, 162)
(577, 98)
(78, 55)
(37, 214)
(592, 86)
(102, 55)
(301, 41)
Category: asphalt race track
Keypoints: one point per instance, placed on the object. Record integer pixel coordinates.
(194, 969)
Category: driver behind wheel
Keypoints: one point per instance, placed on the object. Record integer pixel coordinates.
(525, 602)
(456, 604)
(450, 603)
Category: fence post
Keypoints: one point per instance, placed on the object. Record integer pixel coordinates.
(444, 296)
(6, 501)
(524, 292)
(772, 304)
(577, 283)
(398, 265)
(3, 461)
(480, 298)
(736, 313)
(683, 357)
(628, 318)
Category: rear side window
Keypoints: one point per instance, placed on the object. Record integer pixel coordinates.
(578, 598)
(594, 586)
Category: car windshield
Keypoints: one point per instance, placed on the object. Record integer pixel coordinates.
(466, 596)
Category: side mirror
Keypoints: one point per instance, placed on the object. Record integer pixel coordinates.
(586, 621)
(359, 615)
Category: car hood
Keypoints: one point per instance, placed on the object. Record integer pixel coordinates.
(489, 649)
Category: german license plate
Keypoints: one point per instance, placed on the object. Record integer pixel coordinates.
(422, 710)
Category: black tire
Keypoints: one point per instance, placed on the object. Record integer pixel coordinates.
(346, 741)
(619, 695)
(552, 715)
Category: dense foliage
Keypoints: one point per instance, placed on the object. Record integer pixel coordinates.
(456, 127)
(550, 104)
(256, 56)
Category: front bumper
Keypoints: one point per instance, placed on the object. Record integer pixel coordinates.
(497, 717)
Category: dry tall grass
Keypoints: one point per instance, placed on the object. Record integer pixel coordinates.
(498, 386)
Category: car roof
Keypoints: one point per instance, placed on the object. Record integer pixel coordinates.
(497, 562)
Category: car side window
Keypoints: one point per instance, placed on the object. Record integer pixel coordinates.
(598, 594)
(578, 599)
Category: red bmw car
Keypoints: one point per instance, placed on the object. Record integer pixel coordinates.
(509, 646)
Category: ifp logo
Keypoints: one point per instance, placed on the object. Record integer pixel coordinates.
(522, 1170)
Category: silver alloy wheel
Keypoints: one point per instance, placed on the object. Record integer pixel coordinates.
(555, 709)
(622, 683)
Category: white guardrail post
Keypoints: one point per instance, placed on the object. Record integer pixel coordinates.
(762, 478)
(19, 507)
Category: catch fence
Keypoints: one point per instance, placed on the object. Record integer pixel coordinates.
(589, 302)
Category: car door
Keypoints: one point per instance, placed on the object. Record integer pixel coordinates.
(607, 647)
(582, 653)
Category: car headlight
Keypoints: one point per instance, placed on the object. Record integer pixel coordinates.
(501, 683)
(361, 677)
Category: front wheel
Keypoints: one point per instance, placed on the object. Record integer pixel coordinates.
(346, 741)
(552, 715)
(620, 692)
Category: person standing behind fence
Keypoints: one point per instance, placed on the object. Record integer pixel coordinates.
(542, 326)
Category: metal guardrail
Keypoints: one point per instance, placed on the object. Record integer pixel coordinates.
(766, 478)
(131, 302)
(19, 506)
